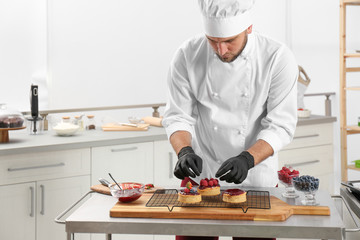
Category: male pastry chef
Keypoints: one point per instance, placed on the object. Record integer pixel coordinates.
(232, 99)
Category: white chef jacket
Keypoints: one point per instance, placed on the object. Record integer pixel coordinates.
(227, 107)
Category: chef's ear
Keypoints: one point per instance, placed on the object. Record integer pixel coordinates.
(249, 29)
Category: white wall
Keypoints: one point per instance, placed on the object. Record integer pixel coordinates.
(116, 52)
(22, 49)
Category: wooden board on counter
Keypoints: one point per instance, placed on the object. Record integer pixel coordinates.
(106, 190)
(117, 127)
(280, 211)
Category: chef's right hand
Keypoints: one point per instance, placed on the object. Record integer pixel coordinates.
(188, 165)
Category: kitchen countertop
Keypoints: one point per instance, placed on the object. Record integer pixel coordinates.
(93, 217)
(22, 142)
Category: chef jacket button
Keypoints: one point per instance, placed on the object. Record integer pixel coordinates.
(245, 94)
(215, 94)
(215, 128)
(218, 161)
(240, 131)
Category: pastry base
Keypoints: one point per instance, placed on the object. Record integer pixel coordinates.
(189, 198)
(234, 198)
(210, 191)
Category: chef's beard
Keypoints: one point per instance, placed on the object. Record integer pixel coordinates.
(234, 56)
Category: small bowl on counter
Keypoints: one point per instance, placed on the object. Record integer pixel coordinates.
(286, 176)
(129, 192)
(66, 129)
(309, 186)
(303, 113)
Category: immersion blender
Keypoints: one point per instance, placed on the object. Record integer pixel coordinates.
(34, 104)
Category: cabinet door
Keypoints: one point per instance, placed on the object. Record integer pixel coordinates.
(18, 213)
(164, 162)
(53, 197)
(126, 163)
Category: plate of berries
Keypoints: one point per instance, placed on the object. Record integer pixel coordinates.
(286, 175)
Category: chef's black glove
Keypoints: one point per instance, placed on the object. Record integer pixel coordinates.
(236, 168)
(188, 164)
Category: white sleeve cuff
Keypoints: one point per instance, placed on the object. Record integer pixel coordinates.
(271, 138)
(178, 126)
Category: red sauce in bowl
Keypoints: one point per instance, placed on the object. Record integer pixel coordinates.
(130, 198)
(130, 192)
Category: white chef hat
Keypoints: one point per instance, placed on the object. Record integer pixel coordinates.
(226, 18)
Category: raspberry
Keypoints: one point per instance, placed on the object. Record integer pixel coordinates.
(216, 182)
(204, 183)
(206, 179)
(186, 190)
(286, 174)
(211, 183)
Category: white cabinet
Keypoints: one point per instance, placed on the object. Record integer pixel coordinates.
(28, 210)
(53, 197)
(17, 210)
(127, 162)
(164, 162)
(36, 187)
(311, 152)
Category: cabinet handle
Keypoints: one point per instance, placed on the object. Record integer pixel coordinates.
(35, 167)
(124, 149)
(307, 136)
(303, 163)
(42, 211)
(32, 201)
(171, 165)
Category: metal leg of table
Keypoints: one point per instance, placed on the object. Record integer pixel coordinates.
(108, 236)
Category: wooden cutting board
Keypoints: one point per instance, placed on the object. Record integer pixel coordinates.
(105, 190)
(116, 127)
(280, 211)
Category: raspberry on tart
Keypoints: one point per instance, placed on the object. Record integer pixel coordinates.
(189, 195)
(234, 195)
(209, 187)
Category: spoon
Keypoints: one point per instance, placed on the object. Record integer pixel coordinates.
(105, 182)
(115, 182)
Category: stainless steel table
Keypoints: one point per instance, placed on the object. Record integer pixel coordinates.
(94, 217)
(351, 200)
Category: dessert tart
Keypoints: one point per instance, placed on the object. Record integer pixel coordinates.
(209, 187)
(234, 195)
(189, 195)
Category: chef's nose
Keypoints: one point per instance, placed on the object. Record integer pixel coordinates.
(222, 48)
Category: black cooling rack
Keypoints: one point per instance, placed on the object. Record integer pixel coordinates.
(169, 198)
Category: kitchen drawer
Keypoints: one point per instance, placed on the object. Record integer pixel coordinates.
(44, 165)
(312, 135)
(127, 162)
(313, 161)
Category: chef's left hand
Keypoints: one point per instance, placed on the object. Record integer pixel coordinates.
(236, 168)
